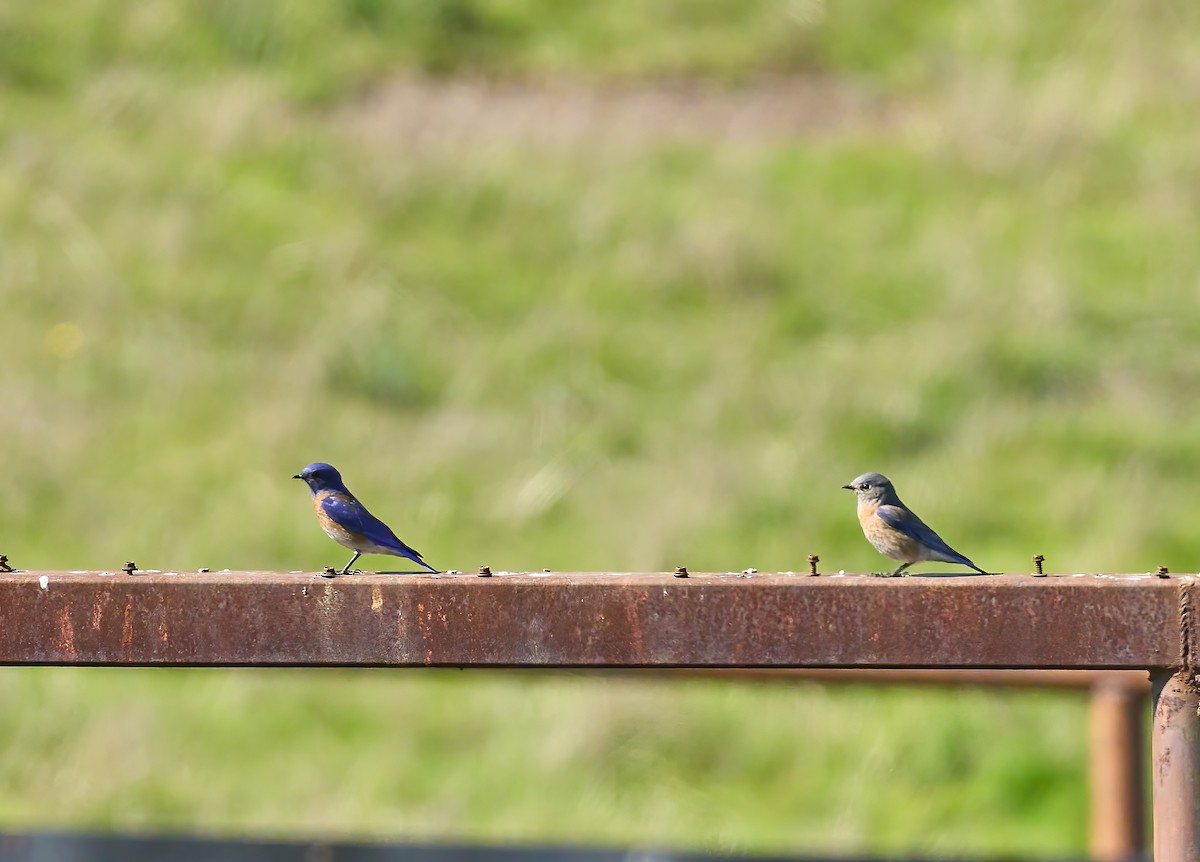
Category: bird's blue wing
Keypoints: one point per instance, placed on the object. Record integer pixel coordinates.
(354, 516)
(904, 521)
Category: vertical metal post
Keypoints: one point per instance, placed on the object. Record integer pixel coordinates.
(1175, 771)
(1118, 762)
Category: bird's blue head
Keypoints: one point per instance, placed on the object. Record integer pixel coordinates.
(321, 477)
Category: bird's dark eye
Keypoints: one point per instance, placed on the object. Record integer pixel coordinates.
(865, 486)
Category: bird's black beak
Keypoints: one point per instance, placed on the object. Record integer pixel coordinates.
(297, 476)
(848, 487)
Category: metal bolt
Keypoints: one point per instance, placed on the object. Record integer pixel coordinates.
(485, 571)
(129, 568)
(681, 571)
(330, 572)
(4, 566)
(1161, 572)
(813, 559)
(1038, 559)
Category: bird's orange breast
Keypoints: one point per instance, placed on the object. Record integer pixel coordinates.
(331, 527)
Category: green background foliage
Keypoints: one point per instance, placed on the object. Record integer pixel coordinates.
(951, 242)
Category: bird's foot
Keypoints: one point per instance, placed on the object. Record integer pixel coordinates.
(882, 575)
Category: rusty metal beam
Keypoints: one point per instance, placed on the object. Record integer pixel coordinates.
(1134, 681)
(592, 620)
(1116, 717)
(1175, 749)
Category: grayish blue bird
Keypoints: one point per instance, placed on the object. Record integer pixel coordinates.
(347, 521)
(895, 530)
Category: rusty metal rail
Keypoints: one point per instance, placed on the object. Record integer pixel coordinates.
(601, 620)
(1098, 623)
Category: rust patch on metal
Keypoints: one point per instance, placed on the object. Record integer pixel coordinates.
(376, 598)
(66, 631)
(424, 620)
(1186, 615)
(127, 631)
(634, 620)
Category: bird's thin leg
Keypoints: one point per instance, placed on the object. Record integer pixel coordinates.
(900, 570)
(357, 554)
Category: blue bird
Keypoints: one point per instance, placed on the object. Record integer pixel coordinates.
(895, 530)
(347, 521)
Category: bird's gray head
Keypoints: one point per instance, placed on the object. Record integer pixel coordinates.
(872, 488)
(321, 477)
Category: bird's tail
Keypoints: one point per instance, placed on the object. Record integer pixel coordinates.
(415, 556)
(969, 564)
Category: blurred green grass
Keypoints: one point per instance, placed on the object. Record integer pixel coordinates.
(506, 757)
(587, 357)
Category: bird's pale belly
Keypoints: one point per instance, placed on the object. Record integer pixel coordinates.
(891, 543)
(341, 535)
(896, 546)
(350, 540)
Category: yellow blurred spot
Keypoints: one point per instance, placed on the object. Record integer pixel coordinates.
(64, 340)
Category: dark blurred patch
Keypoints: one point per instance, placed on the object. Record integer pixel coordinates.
(97, 848)
(383, 373)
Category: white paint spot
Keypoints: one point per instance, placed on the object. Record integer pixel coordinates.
(749, 571)
(44, 582)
